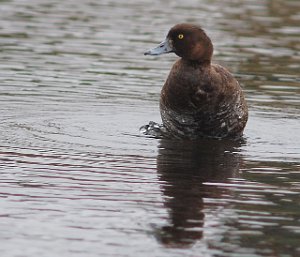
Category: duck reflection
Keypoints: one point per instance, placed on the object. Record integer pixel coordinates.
(183, 167)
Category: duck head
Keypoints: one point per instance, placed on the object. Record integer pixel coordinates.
(188, 41)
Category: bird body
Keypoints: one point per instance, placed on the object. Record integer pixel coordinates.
(199, 99)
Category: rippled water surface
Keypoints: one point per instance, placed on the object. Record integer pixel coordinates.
(77, 178)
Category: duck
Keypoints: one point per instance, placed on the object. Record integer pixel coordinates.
(199, 99)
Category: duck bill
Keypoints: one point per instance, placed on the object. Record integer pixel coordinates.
(163, 48)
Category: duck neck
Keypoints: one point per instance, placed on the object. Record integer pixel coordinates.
(197, 63)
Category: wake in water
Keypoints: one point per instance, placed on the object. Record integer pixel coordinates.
(159, 131)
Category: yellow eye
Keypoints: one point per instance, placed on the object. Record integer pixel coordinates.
(180, 36)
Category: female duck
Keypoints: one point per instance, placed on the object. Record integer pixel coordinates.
(199, 99)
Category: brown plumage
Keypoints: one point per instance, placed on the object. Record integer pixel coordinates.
(199, 99)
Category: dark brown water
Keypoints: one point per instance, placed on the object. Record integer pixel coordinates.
(77, 178)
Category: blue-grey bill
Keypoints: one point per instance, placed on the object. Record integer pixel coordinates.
(163, 48)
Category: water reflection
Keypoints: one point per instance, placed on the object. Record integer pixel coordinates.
(183, 167)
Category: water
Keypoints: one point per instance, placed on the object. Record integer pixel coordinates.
(77, 178)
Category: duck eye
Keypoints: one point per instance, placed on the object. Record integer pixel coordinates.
(180, 36)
